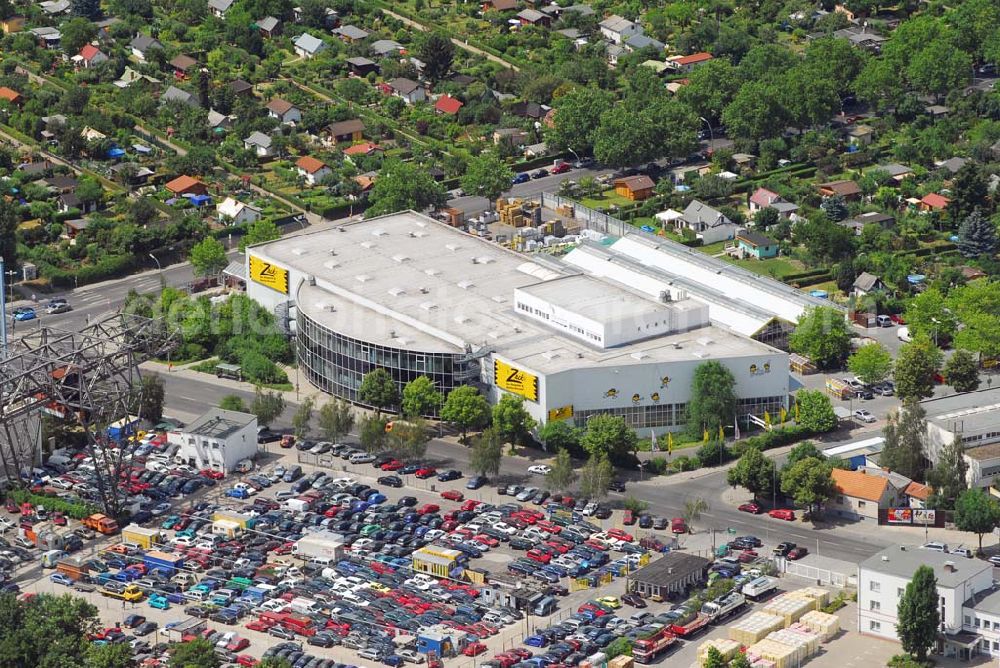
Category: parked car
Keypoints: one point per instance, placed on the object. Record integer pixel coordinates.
(797, 553)
(864, 415)
(752, 508)
(540, 469)
(782, 514)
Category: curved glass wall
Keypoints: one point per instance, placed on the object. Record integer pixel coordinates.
(336, 363)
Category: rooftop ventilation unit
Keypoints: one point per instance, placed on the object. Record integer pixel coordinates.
(700, 354)
(452, 247)
(424, 291)
(550, 355)
(498, 299)
(465, 285)
(400, 258)
(340, 228)
(461, 319)
(331, 264)
(333, 251)
(395, 292)
(639, 355)
(494, 335)
(484, 259)
(298, 251)
(431, 271)
(705, 341)
(362, 278)
(420, 234)
(367, 244)
(378, 233)
(428, 306)
(665, 296)
(310, 280)
(421, 223)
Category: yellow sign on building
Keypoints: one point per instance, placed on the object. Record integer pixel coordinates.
(561, 413)
(269, 275)
(515, 380)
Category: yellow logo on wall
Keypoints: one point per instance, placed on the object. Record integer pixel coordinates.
(515, 380)
(269, 275)
(561, 413)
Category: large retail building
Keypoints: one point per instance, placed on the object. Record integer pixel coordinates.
(416, 297)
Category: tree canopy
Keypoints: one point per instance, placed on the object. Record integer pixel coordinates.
(713, 399)
(822, 335)
(918, 615)
(401, 186)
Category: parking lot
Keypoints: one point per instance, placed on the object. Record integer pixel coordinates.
(368, 604)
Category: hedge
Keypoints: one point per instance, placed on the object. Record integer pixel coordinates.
(775, 438)
(75, 509)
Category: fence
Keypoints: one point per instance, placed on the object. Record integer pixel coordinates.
(591, 219)
(824, 576)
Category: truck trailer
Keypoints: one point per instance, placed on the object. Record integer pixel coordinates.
(646, 650)
(760, 588)
(689, 624)
(723, 607)
(101, 524)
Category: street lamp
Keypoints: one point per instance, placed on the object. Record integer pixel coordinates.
(163, 281)
(711, 134)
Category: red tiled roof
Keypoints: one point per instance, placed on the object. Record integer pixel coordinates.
(362, 149)
(918, 491)
(9, 94)
(859, 485)
(279, 106)
(764, 197)
(183, 183)
(446, 104)
(693, 58)
(89, 51)
(935, 201)
(310, 164)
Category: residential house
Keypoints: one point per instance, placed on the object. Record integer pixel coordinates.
(744, 161)
(330, 19)
(951, 165)
(234, 212)
(54, 123)
(219, 122)
(860, 135)
(859, 495)
(756, 245)
(917, 494)
(410, 91)
(532, 110)
(219, 7)
(313, 170)
(365, 181)
(361, 66)
(174, 94)
(533, 17)
(509, 136)
(933, 202)
(260, 143)
(973, 273)
(857, 224)
(351, 33)
(849, 190)
(186, 185)
(141, 45)
(130, 174)
(866, 284)
(635, 188)
(346, 131)
(183, 65)
(12, 24)
(70, 202)
(762, 198)
(385, 48)
(937, 110)
(283, 110)
(617, 29)
(637, 42)
(90, 56)
(47, 37)
(708, 224)
(861, 37)
(269, 27)
(55, 7)
(538, 150)
(897, 171)
(447, 105)
(218, 440)
(499, 5)
(61, 183)
(11, 96)
(688, 63)
(74, 226)
(35, 168)
(130, 76)
(366, 148)
(307, 46)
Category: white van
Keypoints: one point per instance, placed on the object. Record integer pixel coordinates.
(52, 557)
(361, 458)
(935, 546)
(305, 606)
(903, 334)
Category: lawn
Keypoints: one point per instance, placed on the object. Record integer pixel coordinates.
(776, 267)
(606, 199)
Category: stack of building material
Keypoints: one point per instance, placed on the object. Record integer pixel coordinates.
(621, 661)
(749, 630)
(806, 641)
(821, 595)
(790, 607)
(782, 655)
(822, 623)
(727, 648)
(510, 212)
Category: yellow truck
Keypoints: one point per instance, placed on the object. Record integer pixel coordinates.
(130, 593)
(141, 536)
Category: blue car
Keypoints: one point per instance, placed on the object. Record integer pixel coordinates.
(477, 481)
(237, 493)
(523, 177)
(62, 579)
(536, 641)
(25, 314)
(159, 602)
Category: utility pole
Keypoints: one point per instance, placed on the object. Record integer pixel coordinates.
(3, 311)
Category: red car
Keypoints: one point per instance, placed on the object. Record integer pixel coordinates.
(521, 653)
(486, 540)
(746, 556)
(629, 518)
(238, 644)
(539, 556)
(214, 475)
(782, 514)
(11, 506)
(597, 545)
(505, 660)
(561, 168)
(426, 472)
(548, 527)
(246, 660)
(620, 535)
(470, 504)
(898, 319)
(474, 649)
(750, 508)
(678, 525)
(452, 495)
(428, 508)
(392, 465)
(797, 553)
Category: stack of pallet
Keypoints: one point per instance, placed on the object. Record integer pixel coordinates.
(751, 629)
(510, 212)
(774, 654)
(727, 648)
(821, 595)
(790, 607)
(566, 210)
(822, 623)
(621, 661)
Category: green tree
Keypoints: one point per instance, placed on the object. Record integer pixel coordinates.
(618, 647)
(977, 236)
(378, 389)
(608, 435)
(809, 482)
(335, 419)
(402, 186)
(436, 51)
(9, 219)
(962, 372)
(208, 257)
(928, 314)
(976, 512)
(740, 661)
(713, 658)
(409, 439)
(756, 112)
(563, 475)
(809, 99)
(560, 434)
(835, 208)
(871, 363)
(258, 232)
(372, 434)
(302, 418)
(576, 118)
(44, 630)
(421, 397)
(969, 191)
(711, 86)
(198, 653)
(466, 408)
(88, 9)
(487, 175)
(510, 420)
(274, 662)
(151, 397)
(596, 476)
(487, 454)
(815, 411)
(917, 612)
(939, 68)
(76, 33)
(977, 306)
(947, 478)
(754, 472)
(803, 450)
(916, 365)
(267, 406)
(713, 399)
(905, 434)
(233, 402)
(822, 335)
(116, 655)
(625, 137)
(693, 509)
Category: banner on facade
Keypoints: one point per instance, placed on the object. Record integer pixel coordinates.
(515, 381)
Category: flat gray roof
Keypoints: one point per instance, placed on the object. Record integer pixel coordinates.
(219, 423)
(407, 281)
(971, 412)
(987, 601)
(901, 561)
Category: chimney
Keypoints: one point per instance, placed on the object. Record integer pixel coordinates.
(949, 566)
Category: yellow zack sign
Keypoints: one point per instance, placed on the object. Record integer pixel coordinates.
(515, 380)
(269, 275)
